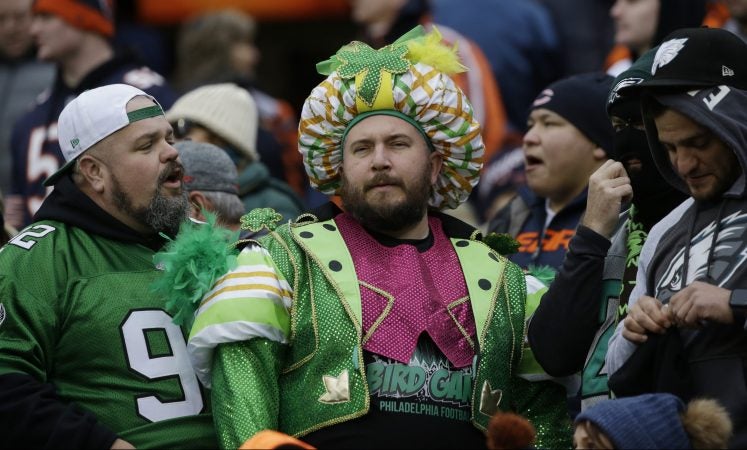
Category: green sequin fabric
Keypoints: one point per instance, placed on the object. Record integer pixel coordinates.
(325, 344)
(360, 58)
(259, 218)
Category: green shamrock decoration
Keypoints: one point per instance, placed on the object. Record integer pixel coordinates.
(259, 218)
(360, 58)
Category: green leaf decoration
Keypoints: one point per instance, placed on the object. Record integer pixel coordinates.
(636, 237)
(543, 273)
(360, 58)
(259, 218)
(503, 243)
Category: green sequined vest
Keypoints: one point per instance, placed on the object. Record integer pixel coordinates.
(325, 342)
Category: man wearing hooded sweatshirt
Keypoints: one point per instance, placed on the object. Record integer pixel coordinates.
(688, 299)
(572, 324)
(89, 358)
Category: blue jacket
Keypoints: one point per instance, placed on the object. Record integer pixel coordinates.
(524, 219)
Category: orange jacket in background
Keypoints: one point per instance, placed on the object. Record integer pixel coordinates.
(481, 88)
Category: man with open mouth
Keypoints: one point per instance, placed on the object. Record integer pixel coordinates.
(88, 355)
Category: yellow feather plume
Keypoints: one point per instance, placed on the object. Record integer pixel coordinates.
(430, 50)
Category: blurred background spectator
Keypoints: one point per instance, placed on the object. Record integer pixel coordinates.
(22, 76)
(519, 39)
(737, 23)
(270, 49)
(642, 24)
(219, 47)
(225, 115)
(77, 36)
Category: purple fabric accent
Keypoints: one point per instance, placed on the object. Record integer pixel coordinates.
(422, 286)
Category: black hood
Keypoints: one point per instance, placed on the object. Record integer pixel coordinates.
(70, 205)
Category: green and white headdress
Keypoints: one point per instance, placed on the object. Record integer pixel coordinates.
(408, 79)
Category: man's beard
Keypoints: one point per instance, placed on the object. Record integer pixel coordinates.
(387, 216)
(162, 213)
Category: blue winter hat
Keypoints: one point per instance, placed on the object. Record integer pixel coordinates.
(650, 421)
(581, 100)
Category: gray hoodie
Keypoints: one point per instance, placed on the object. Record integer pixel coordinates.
(716, 353)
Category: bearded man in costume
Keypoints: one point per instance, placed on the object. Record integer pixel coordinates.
(388, 324)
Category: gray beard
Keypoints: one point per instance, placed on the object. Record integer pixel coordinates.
(163, 214)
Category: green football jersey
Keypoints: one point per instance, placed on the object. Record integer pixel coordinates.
(78, 313)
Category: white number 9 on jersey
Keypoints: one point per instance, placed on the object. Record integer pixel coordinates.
(176, 364)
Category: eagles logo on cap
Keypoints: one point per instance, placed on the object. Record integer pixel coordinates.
(667, 52)
(691, 58)
(614, 95)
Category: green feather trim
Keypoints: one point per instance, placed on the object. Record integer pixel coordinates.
(502, 243)
(191, 263)
(543, 273)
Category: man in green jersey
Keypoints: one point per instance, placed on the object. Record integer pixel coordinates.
(88, 356)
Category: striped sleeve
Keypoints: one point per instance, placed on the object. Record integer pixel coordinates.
(251, 301)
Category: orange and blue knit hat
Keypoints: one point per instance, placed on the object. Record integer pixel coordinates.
(91, 15)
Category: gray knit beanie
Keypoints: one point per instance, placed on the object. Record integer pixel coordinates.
(207, 168)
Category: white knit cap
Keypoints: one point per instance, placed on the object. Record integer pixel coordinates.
(227, 110)
(94, 115)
